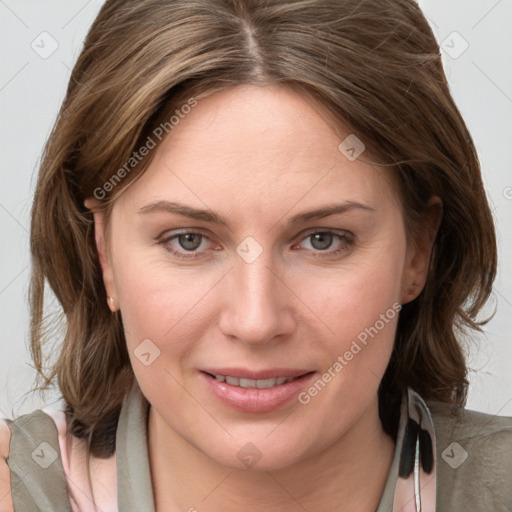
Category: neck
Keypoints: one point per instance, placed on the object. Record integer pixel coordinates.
(350, 475)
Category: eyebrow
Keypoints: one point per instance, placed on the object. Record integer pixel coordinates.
(212, 217)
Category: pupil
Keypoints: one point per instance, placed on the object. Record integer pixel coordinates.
(190, 241)
(321, 240)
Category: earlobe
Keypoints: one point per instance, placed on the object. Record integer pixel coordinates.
(419, 252)
(102, 251)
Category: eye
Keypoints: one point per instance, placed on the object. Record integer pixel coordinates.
(190, 241)
(193, 244)
(322, 241)
(185, 244)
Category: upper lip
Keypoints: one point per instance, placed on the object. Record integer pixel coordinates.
(269, 373)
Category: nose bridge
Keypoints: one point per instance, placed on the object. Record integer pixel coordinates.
(256, 309)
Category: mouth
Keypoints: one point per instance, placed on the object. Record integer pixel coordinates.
(257, 392)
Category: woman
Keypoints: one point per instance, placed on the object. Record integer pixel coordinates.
(266, 226)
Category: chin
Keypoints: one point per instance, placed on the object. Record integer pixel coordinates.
(259, 454)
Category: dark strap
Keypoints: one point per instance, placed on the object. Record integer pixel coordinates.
(38, 481)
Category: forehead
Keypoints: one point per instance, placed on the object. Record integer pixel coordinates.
(259, 148)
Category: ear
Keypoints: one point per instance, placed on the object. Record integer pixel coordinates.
(419, 251)
(102, 250)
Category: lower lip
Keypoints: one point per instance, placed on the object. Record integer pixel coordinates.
(254, 399)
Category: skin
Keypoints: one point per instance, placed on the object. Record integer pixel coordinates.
(258, 156)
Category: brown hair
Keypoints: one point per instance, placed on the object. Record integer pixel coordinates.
(374, 64)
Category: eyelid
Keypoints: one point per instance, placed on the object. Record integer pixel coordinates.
(336, 231)
(182, 231)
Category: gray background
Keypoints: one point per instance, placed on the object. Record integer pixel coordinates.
(477, 52)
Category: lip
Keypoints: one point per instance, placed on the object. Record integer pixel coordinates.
(256, 400)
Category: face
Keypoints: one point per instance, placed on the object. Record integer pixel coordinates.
(253, 250)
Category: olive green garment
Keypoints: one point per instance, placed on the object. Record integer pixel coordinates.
(474, 462)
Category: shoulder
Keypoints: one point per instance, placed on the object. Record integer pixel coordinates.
(474, 458)
(31, 469)
(41, 462)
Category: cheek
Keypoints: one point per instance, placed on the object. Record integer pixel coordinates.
(354, 296)
(159, 302)
(163, 315)
(359, 305)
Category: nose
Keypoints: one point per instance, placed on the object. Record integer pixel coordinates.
(258, 307)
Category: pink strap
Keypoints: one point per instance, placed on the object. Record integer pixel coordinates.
(6, 504)
(88, 491)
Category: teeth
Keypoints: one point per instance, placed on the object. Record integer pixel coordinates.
(266, 383)
(247, 383)
(251, 383)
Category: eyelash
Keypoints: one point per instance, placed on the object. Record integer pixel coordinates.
(345, 238)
